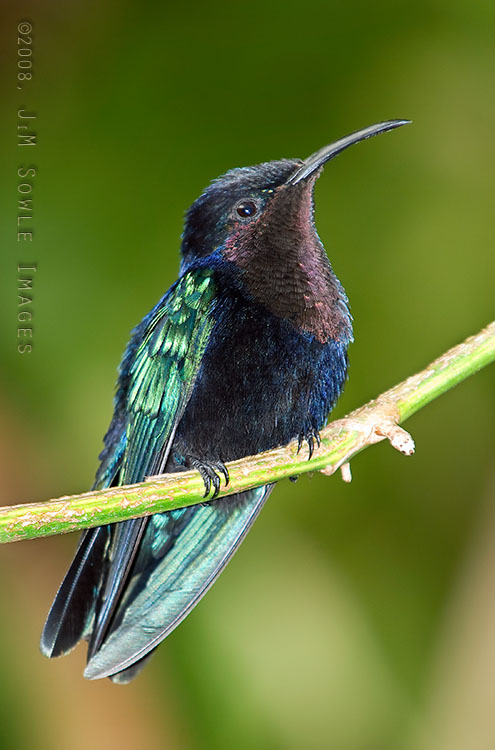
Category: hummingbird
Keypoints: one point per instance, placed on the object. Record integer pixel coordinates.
(246, 351)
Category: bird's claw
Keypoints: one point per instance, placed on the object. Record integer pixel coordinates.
(209, 474)
(311, 437)
(220, 466)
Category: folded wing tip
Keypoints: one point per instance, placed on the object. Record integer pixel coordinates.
(96, 670)
(46, 649)
(93, 674)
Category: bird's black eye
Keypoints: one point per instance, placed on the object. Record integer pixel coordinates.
(246, 209)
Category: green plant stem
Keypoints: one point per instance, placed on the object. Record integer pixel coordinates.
(340, 441)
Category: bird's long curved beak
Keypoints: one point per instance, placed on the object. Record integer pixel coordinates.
(319, 158)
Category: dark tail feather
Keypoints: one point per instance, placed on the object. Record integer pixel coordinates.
(181, 555)
(72, 611)
(126, 537)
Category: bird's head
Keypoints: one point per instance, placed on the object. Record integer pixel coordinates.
(267, 208)
(259, 220)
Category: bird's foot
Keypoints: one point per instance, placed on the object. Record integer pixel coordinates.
(312, 436)
(209, 473)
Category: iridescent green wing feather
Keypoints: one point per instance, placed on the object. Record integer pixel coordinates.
(163, 372)
(156, 379)
(160, 379)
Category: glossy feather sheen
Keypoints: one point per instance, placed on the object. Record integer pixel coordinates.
(247, 350)
(166, 353)
(73, 606)
(170, 582)
(163, 371)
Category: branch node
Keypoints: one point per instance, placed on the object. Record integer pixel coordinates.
(328, 470)
(345, 470)
(398, 438)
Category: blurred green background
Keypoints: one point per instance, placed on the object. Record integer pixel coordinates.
(354, 617)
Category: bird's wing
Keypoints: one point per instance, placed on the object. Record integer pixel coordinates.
(182, 554)
(162, 374)
(157, 377)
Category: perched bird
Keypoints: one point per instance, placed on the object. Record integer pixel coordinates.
(246, 351)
